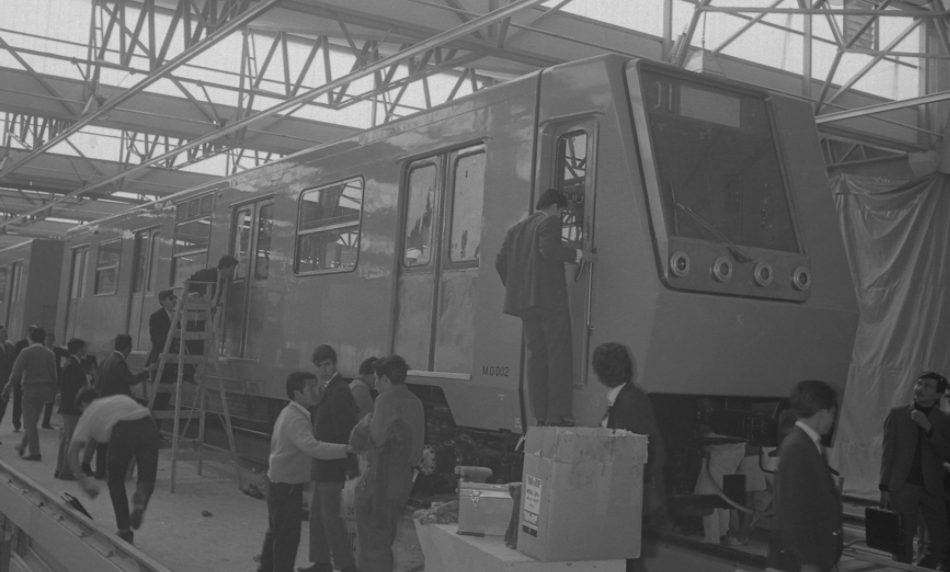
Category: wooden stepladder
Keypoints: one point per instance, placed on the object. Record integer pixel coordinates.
(191, 348)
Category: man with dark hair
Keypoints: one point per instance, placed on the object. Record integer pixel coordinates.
(128, 431)
(363, 386)
(393, 437)
(916, 444)
(211, 281)
(6, 364)
(159, 325)
(628, 407)
(35, 372)
(60, 354)
(71, 381)
(292, 447)
(334, 416)
(17, 395)
(531, 266)
(115, 378)
(807, 502)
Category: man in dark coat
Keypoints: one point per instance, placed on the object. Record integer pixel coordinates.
(71, 381)
(61, 354)
(334, 416)
(807, 501)
(159, 325)
(531, 266)
(115, 378)
(210, 283)
(916, 444)
(628, 407)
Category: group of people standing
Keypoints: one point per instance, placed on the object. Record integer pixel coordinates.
(332, 430)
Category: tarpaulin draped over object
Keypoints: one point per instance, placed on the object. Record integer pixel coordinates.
(897, 238)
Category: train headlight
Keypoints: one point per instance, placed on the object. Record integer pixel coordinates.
(679, 264)
(801, 279)
(763, 274)
(722, 269)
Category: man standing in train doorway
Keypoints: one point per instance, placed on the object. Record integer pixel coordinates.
(531, 266)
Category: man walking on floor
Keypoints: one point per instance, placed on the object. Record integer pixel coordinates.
(531, 266)
(35, 374)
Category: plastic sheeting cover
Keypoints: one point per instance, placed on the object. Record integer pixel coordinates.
(897, 237)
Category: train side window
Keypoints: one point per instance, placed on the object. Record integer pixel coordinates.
(467, 196)
(77, 284)
(107, 267)
(242, 239)
(265, 221)
(328, 229)
(420, 211)
(571, 179)
(192, 237)
(16, 273)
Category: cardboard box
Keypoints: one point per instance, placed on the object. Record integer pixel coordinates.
(582, 494)
(484, 509)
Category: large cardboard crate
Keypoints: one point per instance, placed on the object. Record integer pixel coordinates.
(484, 509)
(582, 494)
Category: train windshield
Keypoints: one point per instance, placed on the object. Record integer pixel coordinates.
(717, 163)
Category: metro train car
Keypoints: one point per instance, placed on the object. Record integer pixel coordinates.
(719, 260)
(29, 285)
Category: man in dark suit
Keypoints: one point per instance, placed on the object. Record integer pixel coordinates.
(6, 364)
(210, 283)
(61, 354)
(17, 390)
(71, 381)
(115, 378)
(334, 416)
(628, 407)
(807, 501)
(159, 325)
(531, 266)
(916, 444)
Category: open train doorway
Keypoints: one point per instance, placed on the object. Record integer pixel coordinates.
(251, 230)
(142, 288)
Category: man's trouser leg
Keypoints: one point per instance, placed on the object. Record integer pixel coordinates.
(65, 436)
(283, 527)
(146, 459)
(934, 513)
(17, 406)
(560, 380)
(906, 501)
(376, 525)
(119, 452)
(48, 411)
(536, 362)
(3, 408)
(33, 400)
(327, 531)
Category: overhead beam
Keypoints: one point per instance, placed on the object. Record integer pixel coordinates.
(827, 118)
(417, 49)
(164, 69)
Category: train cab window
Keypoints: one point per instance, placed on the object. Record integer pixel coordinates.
(328, 229)
(107, 267)
(718, 165)
(571, 179)
(419, 214)
(468, 187)
(192, 237)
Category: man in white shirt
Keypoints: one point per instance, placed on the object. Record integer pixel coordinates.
(129, 432)
(292, 449)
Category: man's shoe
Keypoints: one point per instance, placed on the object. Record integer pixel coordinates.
(317, 567)
(21, 449)
(136, 517)
(126, 535)
(16, 429)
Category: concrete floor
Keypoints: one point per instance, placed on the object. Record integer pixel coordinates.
(207, 525)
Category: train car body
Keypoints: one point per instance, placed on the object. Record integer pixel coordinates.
(719, 260)
(29, 285)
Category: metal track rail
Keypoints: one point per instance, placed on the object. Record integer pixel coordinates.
(39, 532)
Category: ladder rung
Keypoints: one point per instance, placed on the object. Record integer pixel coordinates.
(196, 335)
(170, 414)
(189, 358)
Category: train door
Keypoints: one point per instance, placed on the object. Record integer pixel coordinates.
(439, 257)
(567, 164)
(142, 291)
(77, 289)
(251, 229)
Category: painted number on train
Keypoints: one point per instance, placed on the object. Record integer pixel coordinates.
(496, 370)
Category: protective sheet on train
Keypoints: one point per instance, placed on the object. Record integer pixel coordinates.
(898, 241)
